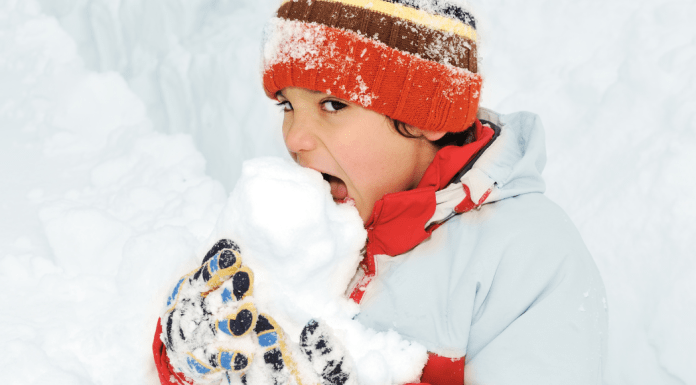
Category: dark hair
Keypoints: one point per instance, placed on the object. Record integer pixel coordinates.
(449, 139)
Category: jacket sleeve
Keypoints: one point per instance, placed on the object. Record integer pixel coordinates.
(542, 320)
(166, 372)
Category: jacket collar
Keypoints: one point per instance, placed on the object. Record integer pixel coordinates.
(398, 221)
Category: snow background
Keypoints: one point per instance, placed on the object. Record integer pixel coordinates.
(124, 124)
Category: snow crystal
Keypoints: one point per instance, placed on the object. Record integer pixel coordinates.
(362, 96)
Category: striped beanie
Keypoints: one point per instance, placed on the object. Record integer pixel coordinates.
(411, 60)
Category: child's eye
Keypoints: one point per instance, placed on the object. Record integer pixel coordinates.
(333, 105)
(286, 106)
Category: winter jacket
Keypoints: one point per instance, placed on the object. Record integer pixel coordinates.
(477, 265)
(505, 281)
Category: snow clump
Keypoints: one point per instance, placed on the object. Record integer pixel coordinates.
(304, 249)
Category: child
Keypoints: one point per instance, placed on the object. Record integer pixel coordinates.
(464, 254)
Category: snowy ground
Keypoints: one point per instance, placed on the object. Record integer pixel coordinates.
(124, 122)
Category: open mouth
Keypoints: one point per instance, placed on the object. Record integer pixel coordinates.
(339, 191)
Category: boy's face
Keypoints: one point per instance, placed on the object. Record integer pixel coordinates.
(357, 150)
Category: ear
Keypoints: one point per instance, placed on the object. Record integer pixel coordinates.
(430, 135)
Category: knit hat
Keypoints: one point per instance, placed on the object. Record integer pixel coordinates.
(412, 60)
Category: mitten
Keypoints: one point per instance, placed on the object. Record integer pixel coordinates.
(326, 354)
(212, 330)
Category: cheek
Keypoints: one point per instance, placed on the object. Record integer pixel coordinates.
(371, 172)
(391, 168)
(375, 159)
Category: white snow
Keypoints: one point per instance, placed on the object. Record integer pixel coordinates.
(307, 39)
(123, 120)
(304, 250)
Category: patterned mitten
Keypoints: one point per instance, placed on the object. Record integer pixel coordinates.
(212, 330)
(327, 356)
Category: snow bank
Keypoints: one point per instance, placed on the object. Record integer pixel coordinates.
(192, 63)
(98, 213)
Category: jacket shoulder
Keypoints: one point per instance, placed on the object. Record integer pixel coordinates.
(540, 307)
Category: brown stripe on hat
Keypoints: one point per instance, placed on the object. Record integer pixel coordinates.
(397, 33)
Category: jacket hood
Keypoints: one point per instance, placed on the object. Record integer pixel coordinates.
(510, 166)
(517, 158)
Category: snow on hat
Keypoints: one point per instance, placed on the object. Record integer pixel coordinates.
(412, 60)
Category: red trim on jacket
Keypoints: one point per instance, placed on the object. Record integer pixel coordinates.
(443, 371)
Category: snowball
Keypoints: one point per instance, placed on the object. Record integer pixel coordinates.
(304, 249)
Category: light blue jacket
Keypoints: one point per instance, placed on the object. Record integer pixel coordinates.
(511, 286)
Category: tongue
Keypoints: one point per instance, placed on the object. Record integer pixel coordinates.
(339, 191)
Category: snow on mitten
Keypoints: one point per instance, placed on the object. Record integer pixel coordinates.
(212, 330)
(326, 354)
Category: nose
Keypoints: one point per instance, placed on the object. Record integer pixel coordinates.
(299, 134)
